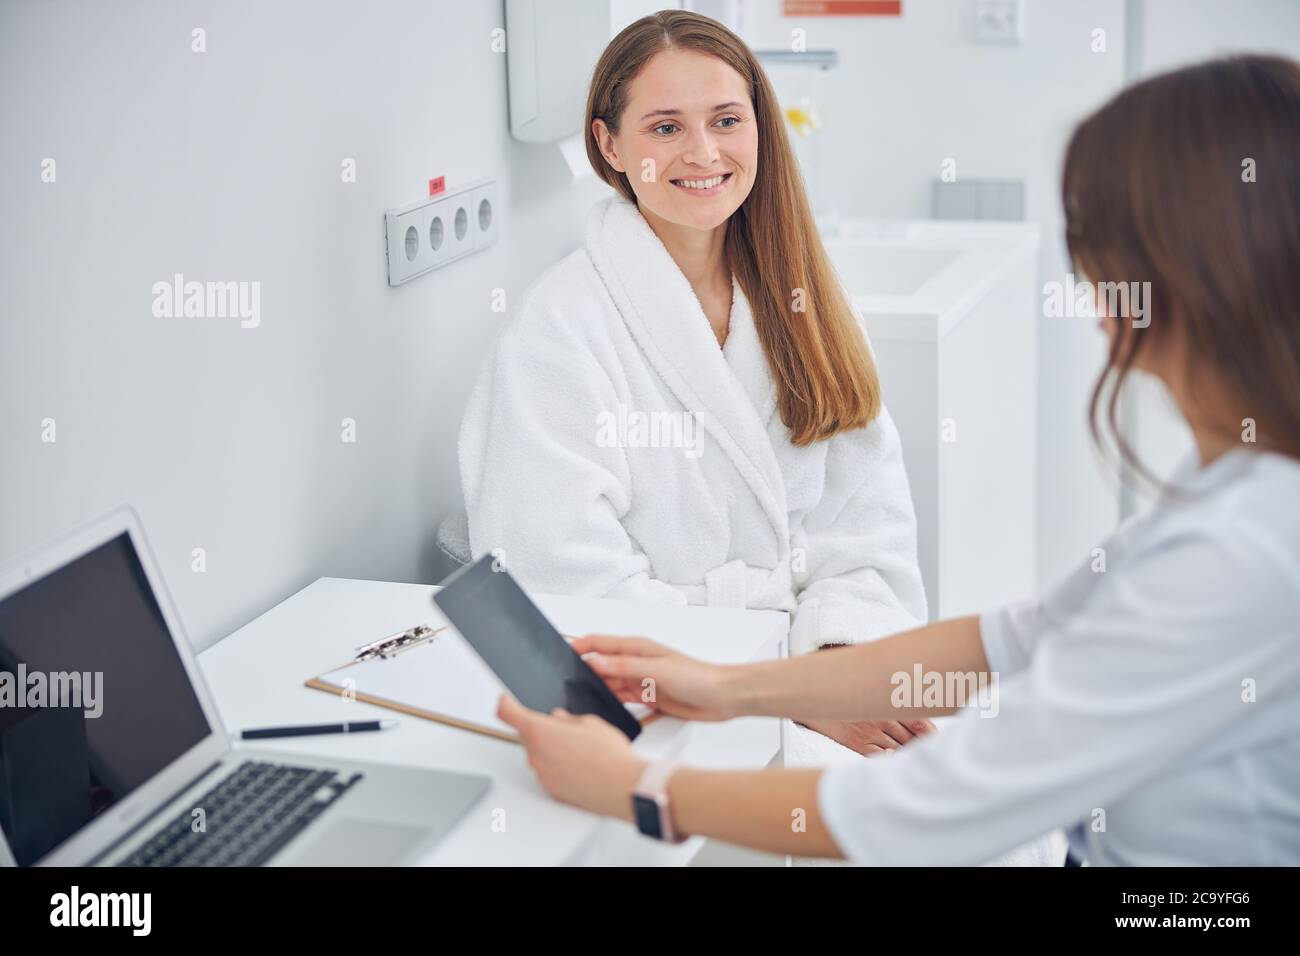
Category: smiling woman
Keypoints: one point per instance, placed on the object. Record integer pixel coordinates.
(702, 295)
(682, 120)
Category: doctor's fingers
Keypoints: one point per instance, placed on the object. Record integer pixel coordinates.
(516, 714)
(612, 645)
(627, 691)
(625, 667)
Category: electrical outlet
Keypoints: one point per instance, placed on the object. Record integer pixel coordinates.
(408, 254)
(1000, 21)
(460, 237)
(435, 233)
(428, 234)
(483, 215)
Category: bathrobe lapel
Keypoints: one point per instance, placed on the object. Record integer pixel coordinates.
(744, 353)
(732, 401)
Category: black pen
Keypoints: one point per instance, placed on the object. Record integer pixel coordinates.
(351, 727)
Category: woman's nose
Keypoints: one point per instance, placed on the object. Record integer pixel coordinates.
(700, 148)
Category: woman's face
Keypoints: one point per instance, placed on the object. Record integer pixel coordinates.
(688, 120)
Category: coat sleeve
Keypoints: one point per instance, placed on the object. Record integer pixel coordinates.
(1136, 683)
(540, 490)
(856, 571)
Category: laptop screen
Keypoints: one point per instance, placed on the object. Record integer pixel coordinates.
(94, 697)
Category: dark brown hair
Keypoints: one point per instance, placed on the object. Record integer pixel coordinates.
(826, 380)
(1191, 181)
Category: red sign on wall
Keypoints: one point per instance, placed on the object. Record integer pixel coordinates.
(842, 8)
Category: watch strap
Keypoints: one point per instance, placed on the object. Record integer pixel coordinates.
(653, 786)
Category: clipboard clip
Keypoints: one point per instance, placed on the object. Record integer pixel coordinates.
(394, 644)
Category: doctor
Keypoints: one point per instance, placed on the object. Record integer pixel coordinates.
(686, 410)
(1152, 707)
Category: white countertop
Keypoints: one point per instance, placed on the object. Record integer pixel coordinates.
(256, 676)
(914, 281)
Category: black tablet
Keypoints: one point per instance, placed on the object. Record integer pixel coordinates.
(515, 639)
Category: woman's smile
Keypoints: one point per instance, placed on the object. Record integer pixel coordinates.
(709, 186)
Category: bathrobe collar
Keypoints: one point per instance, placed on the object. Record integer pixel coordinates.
(733, 401)
(744, 353)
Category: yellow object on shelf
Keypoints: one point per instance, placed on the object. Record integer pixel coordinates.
(803, 119)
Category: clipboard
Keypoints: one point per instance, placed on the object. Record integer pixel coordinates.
(431, 673)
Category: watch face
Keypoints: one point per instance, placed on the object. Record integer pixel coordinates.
(647, 816)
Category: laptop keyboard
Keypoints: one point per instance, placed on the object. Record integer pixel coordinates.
(249, 816)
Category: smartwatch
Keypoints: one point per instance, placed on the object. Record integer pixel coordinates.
(650, 807)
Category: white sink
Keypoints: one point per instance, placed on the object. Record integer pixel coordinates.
(917, 279)
(869, 269)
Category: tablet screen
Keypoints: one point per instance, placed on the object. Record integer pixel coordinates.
(518, 643)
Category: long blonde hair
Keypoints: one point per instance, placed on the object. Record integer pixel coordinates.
(826, 379)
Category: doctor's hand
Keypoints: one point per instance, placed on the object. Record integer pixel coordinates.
(639, 671)
(870, 737)
(579, 760)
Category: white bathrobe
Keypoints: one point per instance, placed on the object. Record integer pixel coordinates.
(558, 476)
(724, 511)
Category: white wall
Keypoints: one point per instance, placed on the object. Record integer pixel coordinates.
(915, 90)
(226, 166)
(1178, 32)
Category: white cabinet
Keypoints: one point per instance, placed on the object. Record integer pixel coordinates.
(952, 311)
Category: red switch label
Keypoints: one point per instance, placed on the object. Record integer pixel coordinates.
(437, 185)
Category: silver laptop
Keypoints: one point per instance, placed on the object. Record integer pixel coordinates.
(112, 752)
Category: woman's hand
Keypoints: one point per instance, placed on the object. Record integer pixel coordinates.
(639, 671)
(871, 737)
(579, 760)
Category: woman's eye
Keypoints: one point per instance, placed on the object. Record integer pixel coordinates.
(730, 120)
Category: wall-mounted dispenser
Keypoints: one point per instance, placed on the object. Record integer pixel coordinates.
(428, 234)
(551, 49)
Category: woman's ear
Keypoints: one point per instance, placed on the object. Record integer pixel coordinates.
(605, 142)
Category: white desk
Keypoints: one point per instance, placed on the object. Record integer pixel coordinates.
(257, 674)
